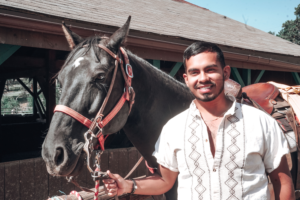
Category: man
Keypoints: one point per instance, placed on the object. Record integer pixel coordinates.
(218, 148)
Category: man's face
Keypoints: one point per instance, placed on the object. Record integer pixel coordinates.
(205, 77)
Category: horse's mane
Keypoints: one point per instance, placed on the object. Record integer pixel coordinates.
(91, 43)
(175, 84)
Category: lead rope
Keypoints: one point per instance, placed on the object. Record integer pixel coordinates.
(97, 185)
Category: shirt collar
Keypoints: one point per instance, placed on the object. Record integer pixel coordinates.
(231, 111)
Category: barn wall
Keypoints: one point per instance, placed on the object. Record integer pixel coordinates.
(28, 179)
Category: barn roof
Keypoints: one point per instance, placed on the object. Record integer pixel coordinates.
(164, 17)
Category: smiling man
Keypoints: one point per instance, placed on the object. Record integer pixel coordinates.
(218, 148)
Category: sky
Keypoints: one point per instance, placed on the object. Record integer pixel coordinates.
(266, 15)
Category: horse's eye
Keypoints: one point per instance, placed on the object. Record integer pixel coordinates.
(100, 76)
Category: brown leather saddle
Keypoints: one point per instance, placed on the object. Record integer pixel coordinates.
(260, 95)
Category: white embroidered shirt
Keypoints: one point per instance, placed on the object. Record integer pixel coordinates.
(248, 144)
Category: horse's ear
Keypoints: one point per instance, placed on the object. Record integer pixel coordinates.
(120, 35)
(72, 38)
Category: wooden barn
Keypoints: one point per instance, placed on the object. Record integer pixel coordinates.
(33, 46)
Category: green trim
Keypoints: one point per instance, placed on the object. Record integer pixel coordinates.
(237, 76)
(261, 73)
(6, 50)
(156, 63)
(247, 76)
(296, 77)
(175, 69)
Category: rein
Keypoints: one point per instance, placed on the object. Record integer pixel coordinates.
(95, 127)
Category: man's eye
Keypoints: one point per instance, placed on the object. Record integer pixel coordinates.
(100, 77)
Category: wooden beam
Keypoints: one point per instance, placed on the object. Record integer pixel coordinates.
(175, 69)
(261, 73)
(34, 82)
(22, 62)
(2, 86)
(23, 73)
(257, 66)
(237, 76)
(6, 50)
(246, 73)
(50, 98)
(296, 77)
(36, 103)
(156, 63)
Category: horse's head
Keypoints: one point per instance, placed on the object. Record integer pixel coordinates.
(84, 78)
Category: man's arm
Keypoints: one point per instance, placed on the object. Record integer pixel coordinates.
(282, 181)
(152, 185)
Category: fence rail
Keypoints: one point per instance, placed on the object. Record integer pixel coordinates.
(29, 179)
(17, 111)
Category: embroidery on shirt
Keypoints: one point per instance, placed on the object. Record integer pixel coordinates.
(232, 165)
(195, 156)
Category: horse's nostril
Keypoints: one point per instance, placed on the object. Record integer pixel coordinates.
(59, 156)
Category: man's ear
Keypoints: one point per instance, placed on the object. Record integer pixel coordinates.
(119, 36)
(72, 38)
(226, 72)
(185, 79)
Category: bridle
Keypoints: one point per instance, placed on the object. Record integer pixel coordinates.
(95, 127)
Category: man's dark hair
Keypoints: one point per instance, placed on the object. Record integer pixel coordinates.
(200, 47)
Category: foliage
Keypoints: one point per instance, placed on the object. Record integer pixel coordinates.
(9, 103)
(30, 101)
(58, 92)
(291, 28)
(272, 33)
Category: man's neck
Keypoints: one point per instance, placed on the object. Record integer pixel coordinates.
(216, 107)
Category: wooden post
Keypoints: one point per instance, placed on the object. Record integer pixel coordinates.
(2, 86)
(6, 50)
(34, 82)
(156, 63)
(175, 69)
(50, 99)
(296, 77)
(261, 73)
(247, 76)
(237, 76)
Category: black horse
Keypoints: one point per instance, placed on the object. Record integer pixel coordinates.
(85, 78)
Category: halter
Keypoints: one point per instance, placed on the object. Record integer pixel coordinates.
(95, 127)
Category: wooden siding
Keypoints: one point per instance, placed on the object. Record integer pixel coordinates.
(29, 179)
(163, 17)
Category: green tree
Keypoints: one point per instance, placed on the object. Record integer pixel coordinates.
(9, 103)
(272, 33)
(291, 28)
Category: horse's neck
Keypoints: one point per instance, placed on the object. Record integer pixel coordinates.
(158, 98)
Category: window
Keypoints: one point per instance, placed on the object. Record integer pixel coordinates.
(18, 97)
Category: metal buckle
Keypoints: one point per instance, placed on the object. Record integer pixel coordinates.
(126, 68)
(88, 149)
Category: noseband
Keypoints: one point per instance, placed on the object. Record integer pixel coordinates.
(95, 127)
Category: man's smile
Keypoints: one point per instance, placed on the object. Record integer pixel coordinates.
(205, 88)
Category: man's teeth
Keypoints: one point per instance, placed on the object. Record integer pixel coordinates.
(206, 87)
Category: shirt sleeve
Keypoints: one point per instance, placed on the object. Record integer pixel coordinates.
(164, 153)
(275, 146)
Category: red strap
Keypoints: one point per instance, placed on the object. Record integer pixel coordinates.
(101, 140)
(114, 111)
(85, 121)
(152, 170)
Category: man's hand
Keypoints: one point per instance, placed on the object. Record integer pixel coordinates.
(117, 185)
(156, 184)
